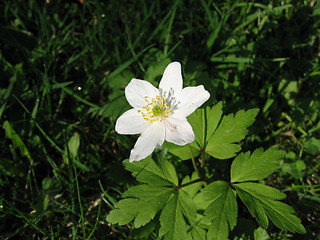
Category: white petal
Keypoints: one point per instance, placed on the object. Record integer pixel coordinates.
(190, 98)
(151, 138)
(172, 78)
(178, 130)
(131, 122)
(137, 89)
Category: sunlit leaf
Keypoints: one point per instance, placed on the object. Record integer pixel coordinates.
(197, 233)
(256, 166)
(204, 122)
(232, 129)
(223, 210)
(142, 204)
(173, 225)
(174, 215)
(262, 204)
(161, 173)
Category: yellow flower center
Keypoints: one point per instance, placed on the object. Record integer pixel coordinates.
(157, 109)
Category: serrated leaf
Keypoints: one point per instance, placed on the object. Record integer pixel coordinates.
(204, 122)
(142, 204)
(174, 215)
(255, 208)
(160, 173)
(173, 225)
(256, 166)
(189, 208)
(263, 190)
(232, 129)
(124, 212)
(223, 210)
(261, 202)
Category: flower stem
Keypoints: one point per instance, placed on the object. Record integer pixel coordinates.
(194, 161)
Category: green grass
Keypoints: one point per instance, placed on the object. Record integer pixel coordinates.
(63, 68)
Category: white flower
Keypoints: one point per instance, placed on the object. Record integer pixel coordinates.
(160, 114)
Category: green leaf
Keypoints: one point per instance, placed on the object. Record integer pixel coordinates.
(296, 169)
(213, 118)
(144, 231)
(261, 234)
(186, 152)
(115, 107)
(200, 201)
(262, 204)
(71, 151)
(262, 190)
(74, 144)
(312, 146)
(189, 208)
(17, 141)
(173, 225)
(204, 122)
(142, 204)
(232, 128)
(173, 217)
(193, 188)
(125, 211)
(120, 80)
(156, 69)
(197, 233)
(161, 173)
(223, 210)
(144, 201)
(256, 166)
(82, 166)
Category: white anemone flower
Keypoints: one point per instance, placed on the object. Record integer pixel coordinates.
(160, 114)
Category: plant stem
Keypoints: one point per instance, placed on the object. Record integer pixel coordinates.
(194, 161)
(192, 182)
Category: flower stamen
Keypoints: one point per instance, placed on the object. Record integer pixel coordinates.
(157, 109)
